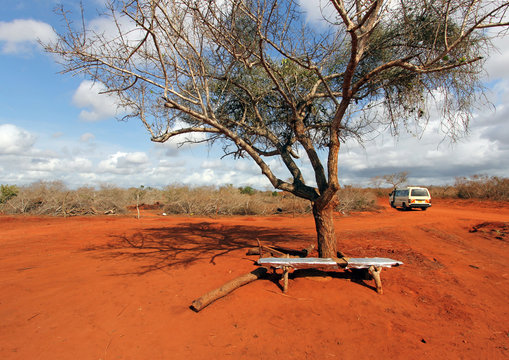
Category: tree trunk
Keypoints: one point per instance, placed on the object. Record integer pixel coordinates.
(324, 222)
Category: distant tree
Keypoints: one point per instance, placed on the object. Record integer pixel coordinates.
(395, 179)
(138, 194)
(259, 79)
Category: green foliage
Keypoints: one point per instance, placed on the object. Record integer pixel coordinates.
(248, 190)
(7, 192)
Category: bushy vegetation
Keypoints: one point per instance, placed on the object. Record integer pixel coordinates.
(229, 201)
(55, 199)
(475, 187)
(356, 199)
(7, 192)
(482, 187)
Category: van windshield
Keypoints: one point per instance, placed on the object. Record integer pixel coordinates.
(419, 192)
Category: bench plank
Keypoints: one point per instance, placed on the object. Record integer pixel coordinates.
(298, 263)
(365, 263)
(303, 263)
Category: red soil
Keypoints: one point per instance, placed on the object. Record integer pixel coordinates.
(120, 288)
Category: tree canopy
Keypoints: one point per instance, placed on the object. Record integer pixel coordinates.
(264, 82)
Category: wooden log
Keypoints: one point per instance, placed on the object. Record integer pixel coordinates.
(308, 250)
(227, 288)
(265, 250)
(279, 252)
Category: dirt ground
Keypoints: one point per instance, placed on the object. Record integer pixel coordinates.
(120, 288)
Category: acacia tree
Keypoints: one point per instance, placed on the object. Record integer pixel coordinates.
(259, 79)
(394, 179)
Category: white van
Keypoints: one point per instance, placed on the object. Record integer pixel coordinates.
(410, 197)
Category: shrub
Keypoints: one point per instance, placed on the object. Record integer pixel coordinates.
(54, 198)
(7, 192)
(482, 187)
(356, 199)
(248, 190)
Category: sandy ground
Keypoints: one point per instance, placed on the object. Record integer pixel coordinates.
(120, 288)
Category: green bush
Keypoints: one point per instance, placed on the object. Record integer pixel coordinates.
(7, 192)
(248, 190)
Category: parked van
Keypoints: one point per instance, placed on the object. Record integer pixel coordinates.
(410, 197)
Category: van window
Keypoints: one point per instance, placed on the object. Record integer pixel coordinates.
(419, 192)
(401, 192)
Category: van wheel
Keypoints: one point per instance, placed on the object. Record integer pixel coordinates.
(405, 208)
(423, 209)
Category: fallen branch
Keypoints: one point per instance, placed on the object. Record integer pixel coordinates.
(274, 251)
(227, 288)
(263, 250)
(242, 280)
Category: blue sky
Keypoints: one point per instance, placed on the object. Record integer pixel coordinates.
(57, 127)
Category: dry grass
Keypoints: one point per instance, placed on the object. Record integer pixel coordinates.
(475, 187)
(55, 199)
(230, 201)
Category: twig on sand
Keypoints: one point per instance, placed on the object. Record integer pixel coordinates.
(293, 297)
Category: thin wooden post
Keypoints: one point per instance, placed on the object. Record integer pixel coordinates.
(260, 248)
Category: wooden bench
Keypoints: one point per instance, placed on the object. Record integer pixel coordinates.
(373, 265)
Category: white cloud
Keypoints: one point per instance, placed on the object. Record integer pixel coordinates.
(212, 164)
(57, 135)
(431, 159)
(124, 163)
(14, 140)
(100, 106)
(22, 35)
(80, 164)
(317, 11)
(45, 165)
(496, 65)
(86, 137)
(131, 33)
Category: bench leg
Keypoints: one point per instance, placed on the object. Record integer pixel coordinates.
(285, 279)
(375, 273)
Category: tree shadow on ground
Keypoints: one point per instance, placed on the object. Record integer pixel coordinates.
(357, 276)
(181, 245)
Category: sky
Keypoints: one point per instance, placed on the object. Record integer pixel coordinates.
(57, 127)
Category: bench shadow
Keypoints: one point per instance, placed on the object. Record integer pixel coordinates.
(181, 245)
(358, 276)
